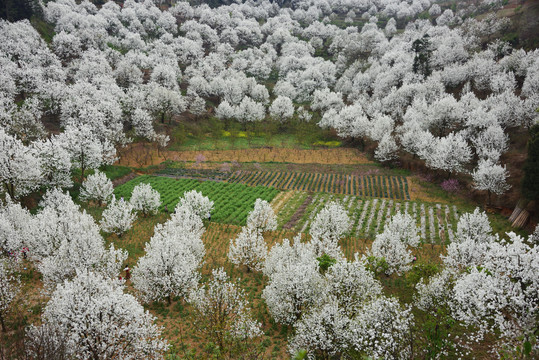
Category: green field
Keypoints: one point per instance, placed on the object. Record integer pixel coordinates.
(232, 202)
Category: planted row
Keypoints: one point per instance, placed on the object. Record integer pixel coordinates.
(232, 202)
(392, 187)
(436, 223)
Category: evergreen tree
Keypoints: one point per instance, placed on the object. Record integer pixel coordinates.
(421, 47)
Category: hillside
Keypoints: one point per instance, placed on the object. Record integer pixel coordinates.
(307, 179)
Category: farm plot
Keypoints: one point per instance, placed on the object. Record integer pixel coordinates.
(436, 223)
(210, 174)
(233, 202)
(391, 187)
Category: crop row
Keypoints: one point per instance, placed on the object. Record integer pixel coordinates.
(392, 187)
(436, 223)
(232, 202)
(210, 174)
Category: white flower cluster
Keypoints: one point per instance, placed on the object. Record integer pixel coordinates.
(199, 204)
(173, 256)
(97, 319)
(488, 284)
(249, 248)
(393, 243)
(97, 187)
(329, 225)
(145, 199)
(118, 217)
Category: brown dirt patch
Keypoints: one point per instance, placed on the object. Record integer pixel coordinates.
(299, 213)
(124, 179)
(140, 155)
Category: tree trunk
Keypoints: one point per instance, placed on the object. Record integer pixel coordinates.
(81, 174)
(3, 324)
(11, 190)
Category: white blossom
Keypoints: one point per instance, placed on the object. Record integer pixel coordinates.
(145, 199)
(249, 249)
(199, 204)
(491, 177)
(262, 217)
(281, 108)
(118, 217)
(329, 225)
(98, 319)
(97, 187)
(67, 240)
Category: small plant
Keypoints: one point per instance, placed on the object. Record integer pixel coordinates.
(325, 262)
(421, 270)
(376, 265)
(450, 185)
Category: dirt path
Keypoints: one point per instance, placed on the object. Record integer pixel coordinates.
(124, 179)
(298, 214)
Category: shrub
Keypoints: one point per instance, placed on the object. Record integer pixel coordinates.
(450, 185)
(376, 265)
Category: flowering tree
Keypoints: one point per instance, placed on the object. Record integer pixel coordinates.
(262, 217)
(67, 240)
(328, 226)
(474, 226)
(342, 323)
(404, 227)
(9, 288)
(490, 177)
(55, 163)
(295, 282)
(173, 256)
(145, 199)
(486, 286)
(249, 249)
(382, 330)
(97, 187)
(86, 150)
(199, 204)
(389, 246)
(19, 167)
(387, 149)
(17, 227)
(281, 109)
(448, 153)
(118, 217)
(99, 320)
(321, 332)
(225, 315)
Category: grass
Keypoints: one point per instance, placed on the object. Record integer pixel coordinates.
(113, 172)
(232, 202)
(210, 133)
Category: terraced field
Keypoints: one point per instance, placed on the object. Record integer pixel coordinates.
(381, 186)
(233, 202)
(391, 187)
(436, 222)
